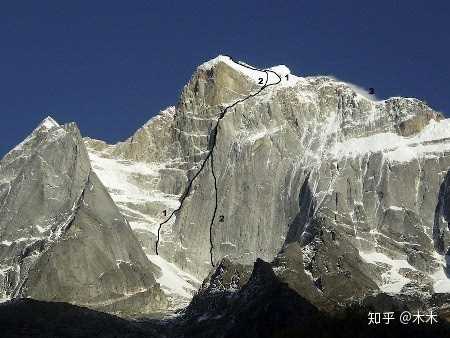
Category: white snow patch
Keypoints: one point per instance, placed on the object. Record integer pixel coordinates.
(48, 123)
(147, 226)
(262, 133)
(27, 239)
(393, 281)
(434, 130)
(41, 229)
(117, 175)
(397, 148)
(173, 280)
(441, 280)
(394, 207)
(120, 261)
(370, 144)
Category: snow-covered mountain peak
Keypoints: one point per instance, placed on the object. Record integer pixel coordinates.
(46, 132)
(43, 127)
(255, 74)
(214, 61)
(48, 123)
(337, 138)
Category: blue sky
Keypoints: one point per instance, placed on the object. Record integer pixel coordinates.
(111, 65)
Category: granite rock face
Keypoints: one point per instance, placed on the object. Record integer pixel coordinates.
(441, 226)
(337, 196)
(312, 165)
(62, 238)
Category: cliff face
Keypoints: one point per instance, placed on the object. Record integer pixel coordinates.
(62, 238)
(354, 184)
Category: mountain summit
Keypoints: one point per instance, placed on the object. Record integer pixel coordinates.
(345, 195)
(308, 156)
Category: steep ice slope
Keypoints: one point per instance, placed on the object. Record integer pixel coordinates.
(146, 187)
(61, 236)
(134, 188)
(130, 184)
(311, 160)
(176, 284)
(143, 174)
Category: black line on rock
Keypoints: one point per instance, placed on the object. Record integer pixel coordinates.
(211, 246)
(210, 155)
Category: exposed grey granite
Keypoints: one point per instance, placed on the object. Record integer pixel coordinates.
(62, 237)
(312, 161)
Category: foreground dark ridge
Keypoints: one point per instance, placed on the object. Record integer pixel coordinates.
(211, 155)
(32, 318)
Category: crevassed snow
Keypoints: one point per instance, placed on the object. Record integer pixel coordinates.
(175, 282)
(434, 138)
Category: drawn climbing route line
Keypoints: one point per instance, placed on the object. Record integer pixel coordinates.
(210, 154)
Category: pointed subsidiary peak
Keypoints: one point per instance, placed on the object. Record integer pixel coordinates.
(211, 63)
(40, 132)
(48, 123)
